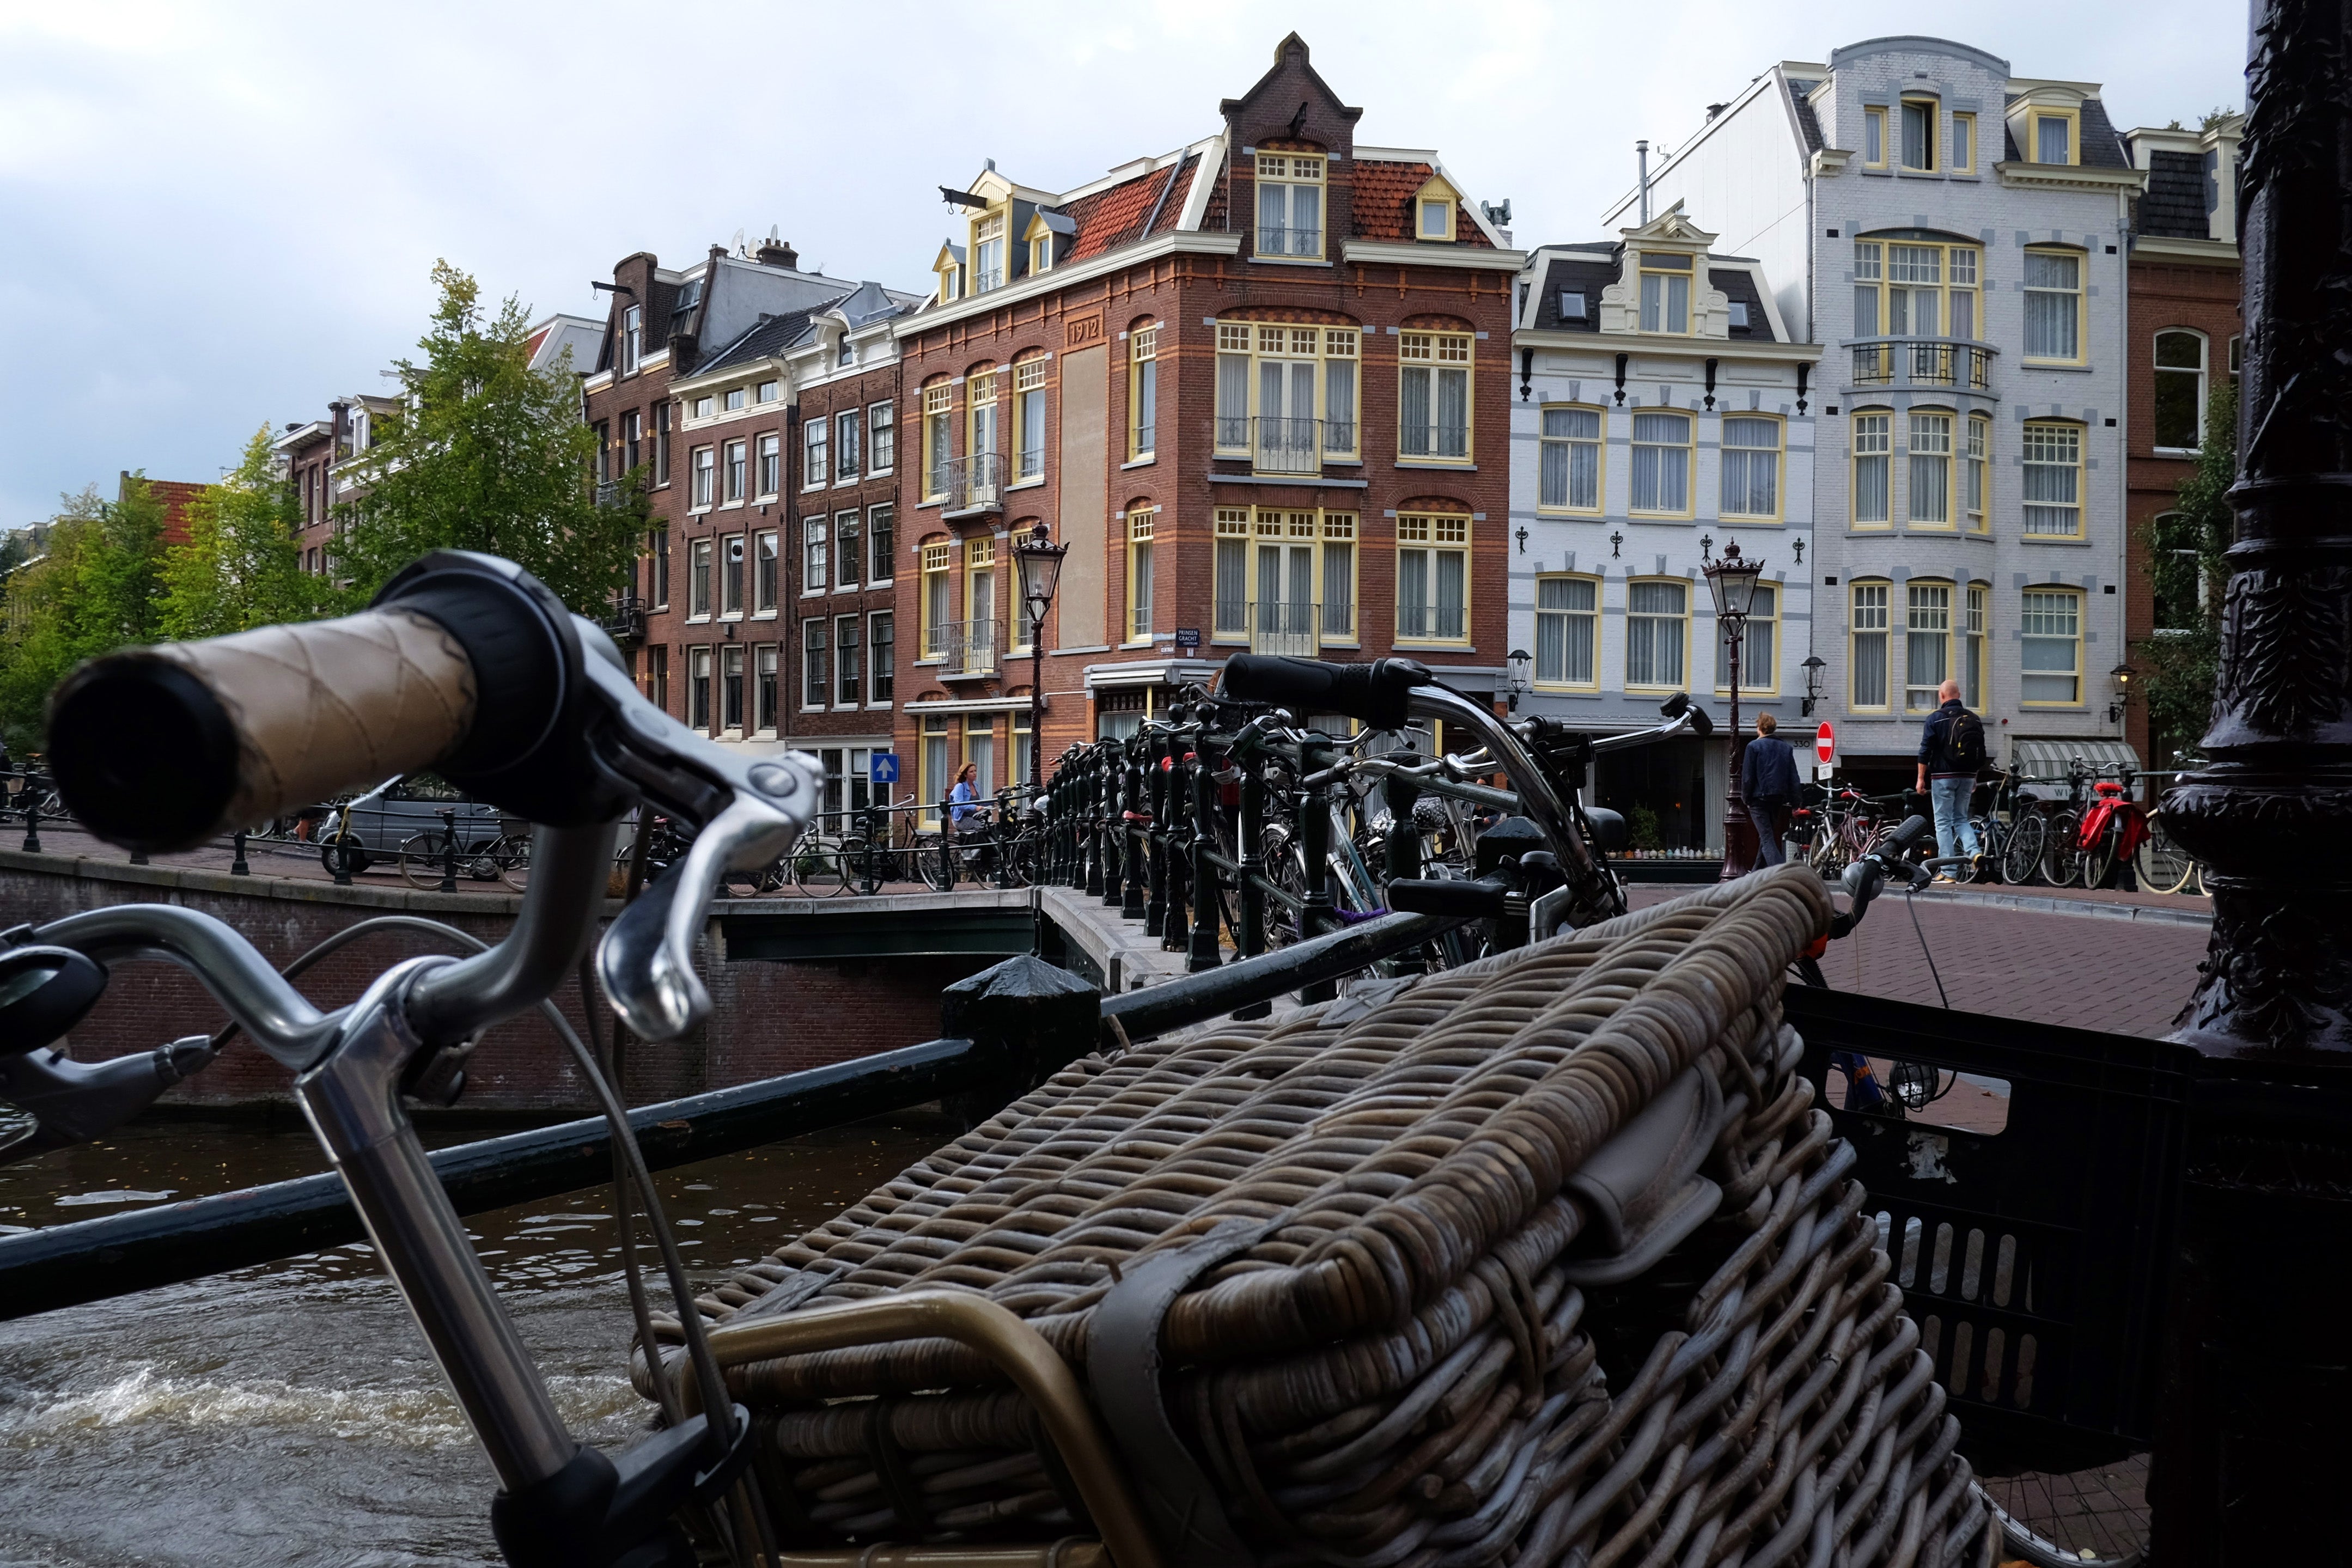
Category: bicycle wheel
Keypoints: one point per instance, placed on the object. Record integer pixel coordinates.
(1025, 858)
(421, 855)
(934, 861)
(2021, 850)
(512, 853)
(2162, 865)
(1990, 838)
(2062, 849)
(2099, 859)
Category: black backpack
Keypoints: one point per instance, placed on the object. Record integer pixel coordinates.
(1964, 744)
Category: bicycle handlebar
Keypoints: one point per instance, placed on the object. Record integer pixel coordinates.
(1374, 694)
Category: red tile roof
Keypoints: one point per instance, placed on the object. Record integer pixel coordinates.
(1111, 218)
(1383, 203)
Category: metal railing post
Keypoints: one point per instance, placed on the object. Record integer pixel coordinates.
(32, 820)
(1249, 896)
(1205, 953)
(1134, 835)
(237, 866)
(1403, 847)
(947, 841)
(1155, 837)
(1001, 837)
(1313, 836)
(449, 851)
(1098, 820)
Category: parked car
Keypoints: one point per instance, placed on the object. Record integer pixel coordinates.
(372, 827)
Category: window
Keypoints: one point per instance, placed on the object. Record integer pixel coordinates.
(633, 443)
(1029, 419)
(937, 400)
(1436, 219)
(1272, 591)
(1964, 145)
(633, 340)
(1433, 402)
(849, 676)
(1571, 305)
(1139, 574)
(2054, 480)
(733, 472)
(2053, 137)
(1232, 386)
(1919, 134)
(812, 555)
(2054, 305)
(1025, 749)
(816, 673)
(848, 551)
(979, 415)
(730, 575)
(1569, 466)
(1750, 485)
(734, 399)
(2180, 588)
(1232, 608)
(882, 433)
(1874, 446)
(603, 453)
(1868, 629)
(698, 581)
(814, 432)
(703, 407)
(1041, 252)
(881, 523)
(846, 448)
(1739, 314)
(1974, 470)
(1289, 204)
(1340, 344)
(730, 689)
(765, 392)
(1567, 625)
(657, 675)
(1666, 294)
(1339, 577)
(939, 566)
(2050, 652)
(698, 689)
(1926, 643)
(1143, 392)
(771, 463)
(988, 253)
(1931, 470)
(1291, 363)
(2179, 390)
(934, 770)
(1873, 137)
(1972, 647)
(1759, 670)
(763, 689)
(763, 571)
(1905, 289)
(845, 352)
(1662, 460)
(704, 465)
(880, 632)
(980, 595)
(1433, 577)
(1657, 634)
(661, 443)
(657, 546)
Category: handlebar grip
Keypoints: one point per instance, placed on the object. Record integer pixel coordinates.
(161, 748)
(1373, 694)
(1904, 836)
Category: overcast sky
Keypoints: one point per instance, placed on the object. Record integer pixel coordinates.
(217, 215)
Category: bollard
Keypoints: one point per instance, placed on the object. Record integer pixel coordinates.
(449, 850)
(32, 823)
(1038, 1018)
(237, 866)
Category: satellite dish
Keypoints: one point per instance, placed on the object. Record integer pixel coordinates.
(738, 244)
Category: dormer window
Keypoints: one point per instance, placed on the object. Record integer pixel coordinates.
(766, 392)
(1289, 204)
(1432, 212)
(633, 339)
(1571, 305)
(1041, 253)
(1919, 134)
(848, 351)
(988, 254)
(949, 265)
(702, 408)
(1436, 220)
(1666, 294)
(734, 399)
(2053, 138)
(1739, 315)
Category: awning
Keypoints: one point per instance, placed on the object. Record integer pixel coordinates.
(2033, 757)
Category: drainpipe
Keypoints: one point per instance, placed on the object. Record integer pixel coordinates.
(1642, 163)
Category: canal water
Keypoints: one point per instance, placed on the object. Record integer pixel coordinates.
(287, 1413)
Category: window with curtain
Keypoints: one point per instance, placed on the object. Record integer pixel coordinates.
(2054, 305)
(1232, 386)
(938, 439)
(2050, 652)
(1289, 204)
(980, 414)
(816, 663)
(1750, 485)
(1964, 143)
(1974, 476)
(1434, 395)
(1972, 647)
(988, 253)
(1919, 133)
(2179, 402)
(2054, 480)
(1339, 576)
(1909, 288)
(1868, 628)
(1231, 567)
(812, 555)
(1139, 574)
(1143, 401)
(1666, 294)
(1931, 470)
(1658, 629)
(938, 573)
(1568, 628)
(1927, 643)
(1029, 418)
(1570, 460)
(1433, 577)
(936, 774)
(1760, 642)
(1873, 137)
(1661, 463)
(1339, 345)
(2053, 139)
(815, 445)
(1874, 447)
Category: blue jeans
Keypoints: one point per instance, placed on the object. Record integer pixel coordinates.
(1955, 834)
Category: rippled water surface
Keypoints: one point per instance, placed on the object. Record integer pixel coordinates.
(287, 1413)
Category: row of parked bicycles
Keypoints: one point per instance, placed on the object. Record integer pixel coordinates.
(2084, 831)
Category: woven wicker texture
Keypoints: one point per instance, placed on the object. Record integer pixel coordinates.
(1442, 1341)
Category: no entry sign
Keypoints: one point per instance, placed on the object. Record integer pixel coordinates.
(1825, 742)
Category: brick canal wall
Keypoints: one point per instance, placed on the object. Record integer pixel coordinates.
(767, 1018)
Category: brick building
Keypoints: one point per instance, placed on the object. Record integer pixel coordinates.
(1257, 385)
(2185, 332)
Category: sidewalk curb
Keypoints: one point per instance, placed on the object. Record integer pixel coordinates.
(2142, 913)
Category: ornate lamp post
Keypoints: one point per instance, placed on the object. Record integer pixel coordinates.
(1813, 667)
(1732, 580)
(1040, 561)
(1520, 673)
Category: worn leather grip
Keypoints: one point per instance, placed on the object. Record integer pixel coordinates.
(162, 747)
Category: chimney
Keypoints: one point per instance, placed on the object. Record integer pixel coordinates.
(1642, 157)
(774, 252)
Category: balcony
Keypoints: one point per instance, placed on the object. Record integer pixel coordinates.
(1922, 362)
(614, 492)
(963, 649)
(1278, 445)
(969, 486)
(1274, 626)
(1307, 243)
(1434, 442)
(625, 620)
(1432, 622)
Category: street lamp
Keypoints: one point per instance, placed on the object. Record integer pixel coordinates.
(1813, 667)
(1520, 671)
(1039, 560)
(2122, 676)
(1732, 580)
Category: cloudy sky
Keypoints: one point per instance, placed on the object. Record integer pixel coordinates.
(217, 215)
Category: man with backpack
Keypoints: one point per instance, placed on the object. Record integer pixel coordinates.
(1951, 750)
(1767, 785)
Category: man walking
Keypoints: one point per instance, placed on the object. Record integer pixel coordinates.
(1951, 750)
(1767, 783)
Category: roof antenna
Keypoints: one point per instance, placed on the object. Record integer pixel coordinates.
(989, 164)
(1641, 161)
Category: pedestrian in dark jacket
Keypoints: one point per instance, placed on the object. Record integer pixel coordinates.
(1767, 783)
(1951, 749)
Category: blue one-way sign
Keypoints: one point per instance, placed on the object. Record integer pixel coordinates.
(884, 766)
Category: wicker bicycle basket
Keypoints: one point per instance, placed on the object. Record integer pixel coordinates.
(1545, 1260)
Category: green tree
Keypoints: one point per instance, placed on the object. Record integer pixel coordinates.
(240, 566)
(2187, 576)
(97, 587)
(485, 455)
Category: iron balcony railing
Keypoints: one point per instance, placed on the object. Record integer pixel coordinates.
(1279, 241)
(614, 492)
(1282, 627)
(625, 622)
(964, 647)
(986, 282)
(1441, 440)
(973, 483)
(1432, 621)
(1922, 361)
(1286, 445)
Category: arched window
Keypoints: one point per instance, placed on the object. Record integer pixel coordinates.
(2179, 402)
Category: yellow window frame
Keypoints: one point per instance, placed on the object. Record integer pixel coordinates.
(1294, 169)
(1952, 434)
(1748, 686)
(1600, 443)
(2045, 433)
(1870, 612)
(1595, 615)
(1142, 360)
(1954, 611)
(1688, 447)
(1686, 618)
(1976, 459)
(938, 438)
(1872, 434)
(937, 564)
(2026, 611)
(1780, 464)
(1141, 525)
(1963, 129)
(1434, 352)
(1874, 121)
(1935, 109)
(1432, 533)
(2034, 115)
(2082, 294)
(1875, 265)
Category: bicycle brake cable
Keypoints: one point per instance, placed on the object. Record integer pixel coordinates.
(1911, 903)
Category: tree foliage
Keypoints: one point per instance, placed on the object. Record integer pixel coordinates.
(2188, 576)
(485, 455)
(240, 566)
(96, 587)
